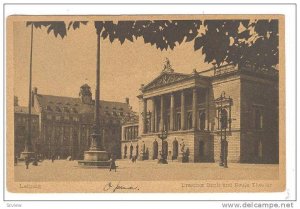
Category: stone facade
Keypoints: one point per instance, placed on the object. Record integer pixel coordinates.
(21, 129)
(66, 123)
(187, 107)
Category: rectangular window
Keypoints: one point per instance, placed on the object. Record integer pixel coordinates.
(57, 117)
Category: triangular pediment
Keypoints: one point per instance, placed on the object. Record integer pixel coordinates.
(165, 79)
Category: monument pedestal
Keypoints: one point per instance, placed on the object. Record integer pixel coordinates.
(95, 158)
(181, 158)
(141, 156)
(26, 154)
(162, 160)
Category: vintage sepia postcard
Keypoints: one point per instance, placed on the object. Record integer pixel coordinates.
(145, 103)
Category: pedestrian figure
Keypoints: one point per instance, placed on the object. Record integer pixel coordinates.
(113, 163)
(27, 162)
(35, 162)
(133, 159)
(16, 160)
(53, 158)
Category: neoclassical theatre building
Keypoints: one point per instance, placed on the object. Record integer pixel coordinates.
(187, 107)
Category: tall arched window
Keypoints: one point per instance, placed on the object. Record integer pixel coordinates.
(175, 149)
(202, 118)
(155, 150)
(258, 120)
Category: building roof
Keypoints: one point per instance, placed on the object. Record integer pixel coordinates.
(60, 104)
(24, 110)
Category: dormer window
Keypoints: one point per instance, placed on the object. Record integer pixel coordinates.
(66, 109)
(48, 108)
(57, 109)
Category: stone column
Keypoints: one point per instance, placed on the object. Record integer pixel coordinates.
(123, 133)
(194, 108)
(153, 115)
(141, 115)
(156, 125)
(161, 125)
(130, 128)
(182, 111)
(207, 109)
(172, 113)
(145, 116)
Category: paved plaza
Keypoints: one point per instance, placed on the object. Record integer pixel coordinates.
(62, 170)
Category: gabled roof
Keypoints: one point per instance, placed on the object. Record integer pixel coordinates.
(165, 78)
(60, 104)
(24, 110)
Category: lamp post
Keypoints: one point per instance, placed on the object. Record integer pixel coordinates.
(223, 104)
(163, 136)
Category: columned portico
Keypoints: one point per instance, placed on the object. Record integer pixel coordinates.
(173, 101)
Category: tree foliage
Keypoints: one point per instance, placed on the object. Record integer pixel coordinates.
(222, 41)
(58, 27)
(163, 34)
(239, 42)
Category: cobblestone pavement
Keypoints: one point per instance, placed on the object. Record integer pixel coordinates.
(62, 170)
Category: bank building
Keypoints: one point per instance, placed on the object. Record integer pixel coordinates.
(61, 126)
(187, 109)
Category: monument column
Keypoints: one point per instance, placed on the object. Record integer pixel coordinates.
(161, 125)
(153, 115)
(182, 111)
(194, 108)
(172, 111)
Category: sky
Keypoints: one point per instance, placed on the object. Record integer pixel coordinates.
(61, 66)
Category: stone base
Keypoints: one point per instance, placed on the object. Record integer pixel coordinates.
(98, 159)
(162, 161)
(182, 159)
(24, 155)
(141, 157)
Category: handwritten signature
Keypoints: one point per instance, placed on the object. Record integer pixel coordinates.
(115, 187)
